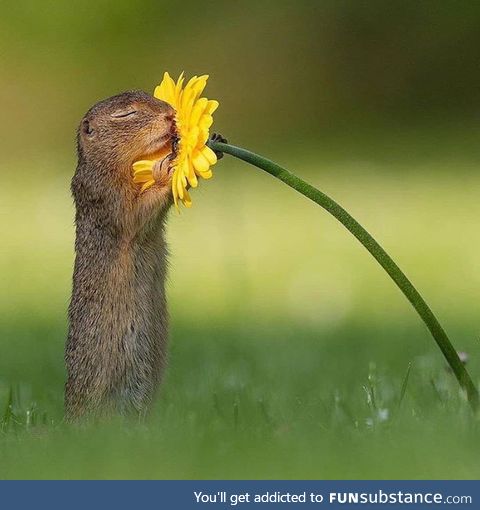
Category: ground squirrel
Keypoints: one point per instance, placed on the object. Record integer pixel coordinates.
(116, 346)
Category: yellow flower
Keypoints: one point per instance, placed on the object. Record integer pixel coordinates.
(193, 119)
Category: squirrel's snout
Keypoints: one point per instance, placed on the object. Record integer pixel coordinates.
(168, 118)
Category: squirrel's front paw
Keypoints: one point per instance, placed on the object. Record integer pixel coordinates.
(217, 137)
(162, 170)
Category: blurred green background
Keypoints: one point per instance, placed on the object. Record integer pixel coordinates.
(289, 347)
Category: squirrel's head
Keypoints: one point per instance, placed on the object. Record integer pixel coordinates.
(126, 128)
(114, 134)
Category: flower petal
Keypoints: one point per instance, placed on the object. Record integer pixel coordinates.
(138, 179)
(206, 121)
(148, 184)
(209, 154)
(212, 105)
(180, 186)
(187, 201)
(144, 164)
(178, 92)
(166, 90)
(198, 110)
(206, 175)
(200, 162)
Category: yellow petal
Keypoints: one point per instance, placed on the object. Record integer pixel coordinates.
(174, 191)
(143, 174)
(144, 164)
(191, 177)
(166, 90)
(143, 171)
(178, 91)
(187, 201)
(138, 179)
(198, 110)
(192, 137)
(206, 175)
(183, 178)
(200, 162)
(212, 105)
(189, 97)
(202, 138)
(199, 85)
(180, 187)
(206, 121)
(209, 154)
(147, 185)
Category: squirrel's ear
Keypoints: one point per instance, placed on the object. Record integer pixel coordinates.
(87, 128)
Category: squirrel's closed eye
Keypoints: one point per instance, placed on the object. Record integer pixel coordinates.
(123, 113)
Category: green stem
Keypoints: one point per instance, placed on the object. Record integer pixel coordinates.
(382, 257)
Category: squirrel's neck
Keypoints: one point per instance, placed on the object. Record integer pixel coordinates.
(109, 267)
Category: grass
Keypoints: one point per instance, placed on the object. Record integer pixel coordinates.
(292, 355)
(289, 405)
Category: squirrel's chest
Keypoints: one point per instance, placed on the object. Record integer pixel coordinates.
(135, 340)
(136, 297)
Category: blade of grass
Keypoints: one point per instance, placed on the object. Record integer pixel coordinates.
(8, 412)
(404, 384)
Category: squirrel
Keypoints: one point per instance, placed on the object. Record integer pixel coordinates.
(118, 322)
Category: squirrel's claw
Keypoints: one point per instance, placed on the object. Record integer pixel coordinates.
(217, 137)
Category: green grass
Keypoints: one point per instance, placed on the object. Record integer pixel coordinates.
(239, 403)
(292, 355)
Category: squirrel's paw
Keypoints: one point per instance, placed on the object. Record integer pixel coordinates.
(217, 137)
(162, 170)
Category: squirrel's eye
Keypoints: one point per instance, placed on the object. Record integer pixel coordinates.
(123, 113)
(86, 127)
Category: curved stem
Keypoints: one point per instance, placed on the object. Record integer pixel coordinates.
(382, 257)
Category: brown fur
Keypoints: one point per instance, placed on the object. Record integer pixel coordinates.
(116, 346)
